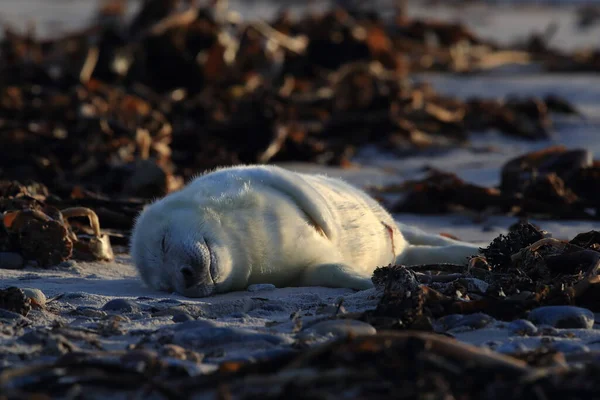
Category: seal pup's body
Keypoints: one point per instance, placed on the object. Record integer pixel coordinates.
(241, 225)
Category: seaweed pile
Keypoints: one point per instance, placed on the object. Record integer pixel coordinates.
(132, 108)
(554, 182)
(515, 274)
(34, 232)
(417, 365)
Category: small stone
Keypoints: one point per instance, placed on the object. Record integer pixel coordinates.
(171, 311)
(123, 305)
(261, 287)
(475, 321)
(547, 330)
(472, 321)
(563, 317)
(69, 264)
(474, 284)
(341, 327)
(193, 324)
(10, 260)
(522, 327)
(217, 336)
(182, 317)
(90, 312)
(35, 295)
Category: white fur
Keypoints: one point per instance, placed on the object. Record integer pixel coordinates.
(241, 225)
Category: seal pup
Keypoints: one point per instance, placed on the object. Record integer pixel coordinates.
(237, 226)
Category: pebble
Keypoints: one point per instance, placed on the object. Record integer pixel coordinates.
(69, 264)
(171, 311)
(91, 312)
(473, 321)
(193, 324)
(35, 295)
(182, 317)
(123, 305)
(10, 260)
(522, 327)
(341, 327)
(216, 336)
(474, 284)
(563, 317)
(74, 295)
(261, 287)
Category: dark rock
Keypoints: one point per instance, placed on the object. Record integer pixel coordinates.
(182, 317)
(10, 260)
(216, 336)
(91, 312)
(194, 324)
(123, 305)
(261, 287)
(474, 321)
(563, 317)
(14, 299)
(341, 327)
(522, 327)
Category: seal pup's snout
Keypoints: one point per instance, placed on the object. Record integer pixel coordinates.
(188, 277)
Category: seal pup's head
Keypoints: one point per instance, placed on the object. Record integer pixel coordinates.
(177, 245)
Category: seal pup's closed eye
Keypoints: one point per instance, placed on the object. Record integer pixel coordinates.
(236, 226)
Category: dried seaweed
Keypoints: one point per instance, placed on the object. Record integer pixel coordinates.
(417, 365)
(549, 183)
(519, 271)
(135, 108)
(42, 233)
(14, 299)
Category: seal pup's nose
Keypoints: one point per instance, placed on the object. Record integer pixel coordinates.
(188, 277)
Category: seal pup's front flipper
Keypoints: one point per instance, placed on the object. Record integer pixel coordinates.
(335, 276)
(453, 253)
(308, 200)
